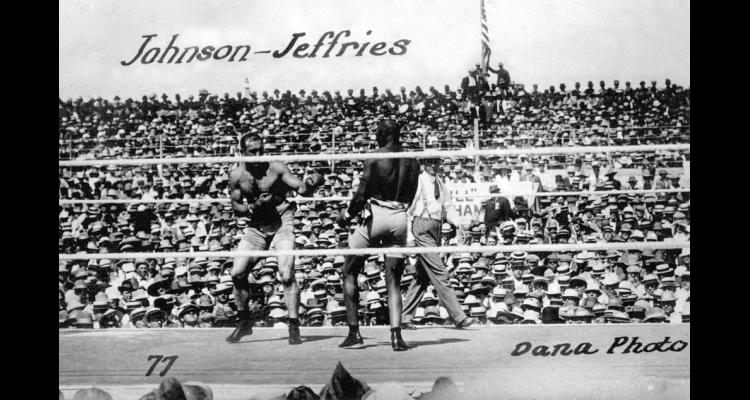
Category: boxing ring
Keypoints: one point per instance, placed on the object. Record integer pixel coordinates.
(502, 361)
(479, 359)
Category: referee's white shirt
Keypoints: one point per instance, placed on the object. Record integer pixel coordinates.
(425, 204)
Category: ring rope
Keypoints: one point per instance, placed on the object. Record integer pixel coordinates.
(329, 132)
(347, 198)
(377, 156)
(391, 250)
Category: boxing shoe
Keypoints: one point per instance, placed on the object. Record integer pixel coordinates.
(353, 338)
(244, 328)
(409, 326)
(294, 335)
(397, 342)
(467, 322)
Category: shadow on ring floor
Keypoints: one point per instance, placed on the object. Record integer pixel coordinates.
(305, 339)
(414, 344)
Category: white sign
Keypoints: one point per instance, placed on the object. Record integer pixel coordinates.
(468, 198)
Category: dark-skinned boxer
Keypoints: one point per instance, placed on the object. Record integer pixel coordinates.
(386, 189)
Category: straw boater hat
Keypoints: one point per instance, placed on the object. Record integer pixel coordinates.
(84, 320)
(618, 317)
(593, 287)
(571, 294)
(158, 283)
(187, 308)
(655, 314)
(575, 313)
(427, 300)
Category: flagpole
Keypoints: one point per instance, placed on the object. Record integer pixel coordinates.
(484, 38)
(481, 32)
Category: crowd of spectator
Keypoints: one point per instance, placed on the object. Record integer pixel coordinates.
(341, 386)
(497, 288)
(323, 122)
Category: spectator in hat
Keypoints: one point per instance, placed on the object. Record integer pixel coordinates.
(157, 318)
(470, 84)
(503, 78)
(79, 291)
(634, 280)
(663, 182)
(633, 183)
(84, 320)
(592, 291)
(667, 302)
(92, 393)
(497, 209)
(571, 297)
(650, 285)
(648, 179)
(188, 315)
(655, 315)
(576, 315)
(610, 179)
(443, 389)
(595, 178)
(143, 273)
(609, 285)
(224, 310)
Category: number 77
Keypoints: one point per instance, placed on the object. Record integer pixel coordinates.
(160, 358)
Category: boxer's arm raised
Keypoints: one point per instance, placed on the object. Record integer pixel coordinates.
(304, 187)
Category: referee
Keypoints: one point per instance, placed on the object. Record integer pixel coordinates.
(432, 204)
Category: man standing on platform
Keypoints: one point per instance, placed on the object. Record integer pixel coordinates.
(386, 189)
(503, 77)
(432, 204)
(470, 85)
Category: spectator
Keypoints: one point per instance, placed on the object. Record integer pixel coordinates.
(496, 210)
(470, 84)
(503, 77)
(206, 125)
(443, 389)
(91, 394)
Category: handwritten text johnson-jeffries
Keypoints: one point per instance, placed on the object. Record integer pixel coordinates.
(329, 44)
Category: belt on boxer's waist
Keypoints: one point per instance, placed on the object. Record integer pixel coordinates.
(393, 205)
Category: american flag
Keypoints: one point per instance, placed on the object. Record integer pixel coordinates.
(485, 41)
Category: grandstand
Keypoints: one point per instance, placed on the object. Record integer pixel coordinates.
(209, 126)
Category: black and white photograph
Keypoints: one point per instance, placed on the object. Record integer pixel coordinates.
(374, 199)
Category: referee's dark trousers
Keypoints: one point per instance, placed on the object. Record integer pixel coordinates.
(430, 269)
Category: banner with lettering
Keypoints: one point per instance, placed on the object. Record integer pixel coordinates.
(468, 197)
(139, 47)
